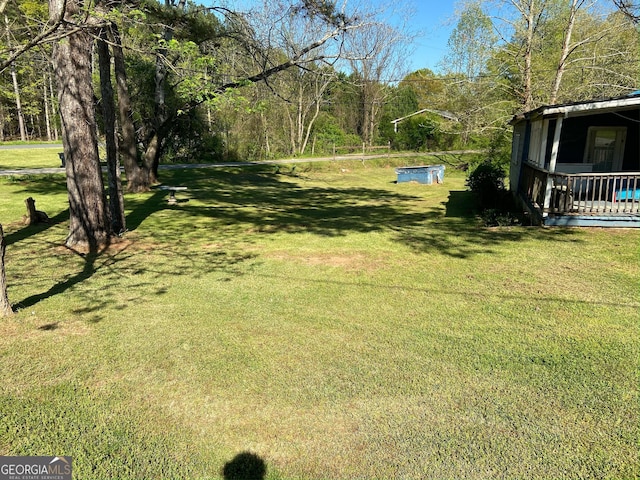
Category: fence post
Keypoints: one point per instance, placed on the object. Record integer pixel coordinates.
(334, 151)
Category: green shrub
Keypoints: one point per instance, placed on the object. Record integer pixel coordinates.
(494, 202)
(486, 181)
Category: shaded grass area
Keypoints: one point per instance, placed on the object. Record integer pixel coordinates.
(328, 322)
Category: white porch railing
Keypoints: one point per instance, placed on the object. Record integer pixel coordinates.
(580, 193)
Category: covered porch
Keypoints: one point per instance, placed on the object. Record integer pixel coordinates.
(581, 199)
(579, 164)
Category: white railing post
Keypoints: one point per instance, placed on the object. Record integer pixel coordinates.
(552, 166)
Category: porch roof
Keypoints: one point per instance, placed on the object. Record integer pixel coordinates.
(581, 108)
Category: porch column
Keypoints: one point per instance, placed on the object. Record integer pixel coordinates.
(552, 165)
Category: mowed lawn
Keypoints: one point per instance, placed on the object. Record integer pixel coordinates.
(330, 322)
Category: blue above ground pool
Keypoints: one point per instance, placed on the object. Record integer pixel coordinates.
(628, 194)
(426, 174)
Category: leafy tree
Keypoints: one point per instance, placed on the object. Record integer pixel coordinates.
(607, 62)
(89, 218)
(471, 43)
(376, 54)
(344, 104)
(472, 91)
(328, 134)
(201, 48)
(428, 88)
(564, 51)
(415, 133)
(302, 91)
(519, 24)
(403, 102)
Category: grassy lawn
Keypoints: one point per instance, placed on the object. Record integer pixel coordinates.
(329, 321)
(21, 158)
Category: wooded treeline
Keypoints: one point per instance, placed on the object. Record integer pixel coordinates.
(176, 81)
(526, 53)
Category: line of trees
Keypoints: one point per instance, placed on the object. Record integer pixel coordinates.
(503, 56)
(173, 80)
(509, 56)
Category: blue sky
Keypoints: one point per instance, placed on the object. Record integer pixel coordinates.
(432, 19)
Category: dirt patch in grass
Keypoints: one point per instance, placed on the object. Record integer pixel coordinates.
(356, 262)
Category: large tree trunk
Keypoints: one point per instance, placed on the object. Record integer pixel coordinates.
(137, 177)
(116, 200)
(5, 306)
(88, 224)
(151, 156)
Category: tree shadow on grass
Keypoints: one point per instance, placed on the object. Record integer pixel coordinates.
(228, 204)
(267, 203)
(88, 270)
(38, 184)
(31, 230)
(124, 260)
(143, 208)
(459, 233)
(460, 204)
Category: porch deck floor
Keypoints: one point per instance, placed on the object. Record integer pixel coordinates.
(601, 214)
(598, 208)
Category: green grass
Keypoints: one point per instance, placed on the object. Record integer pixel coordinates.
(21, 158)
(332, 322)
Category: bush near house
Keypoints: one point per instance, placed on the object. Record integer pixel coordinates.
(494, 202)
(486, 181)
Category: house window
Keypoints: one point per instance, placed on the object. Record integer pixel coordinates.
(605, 148)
